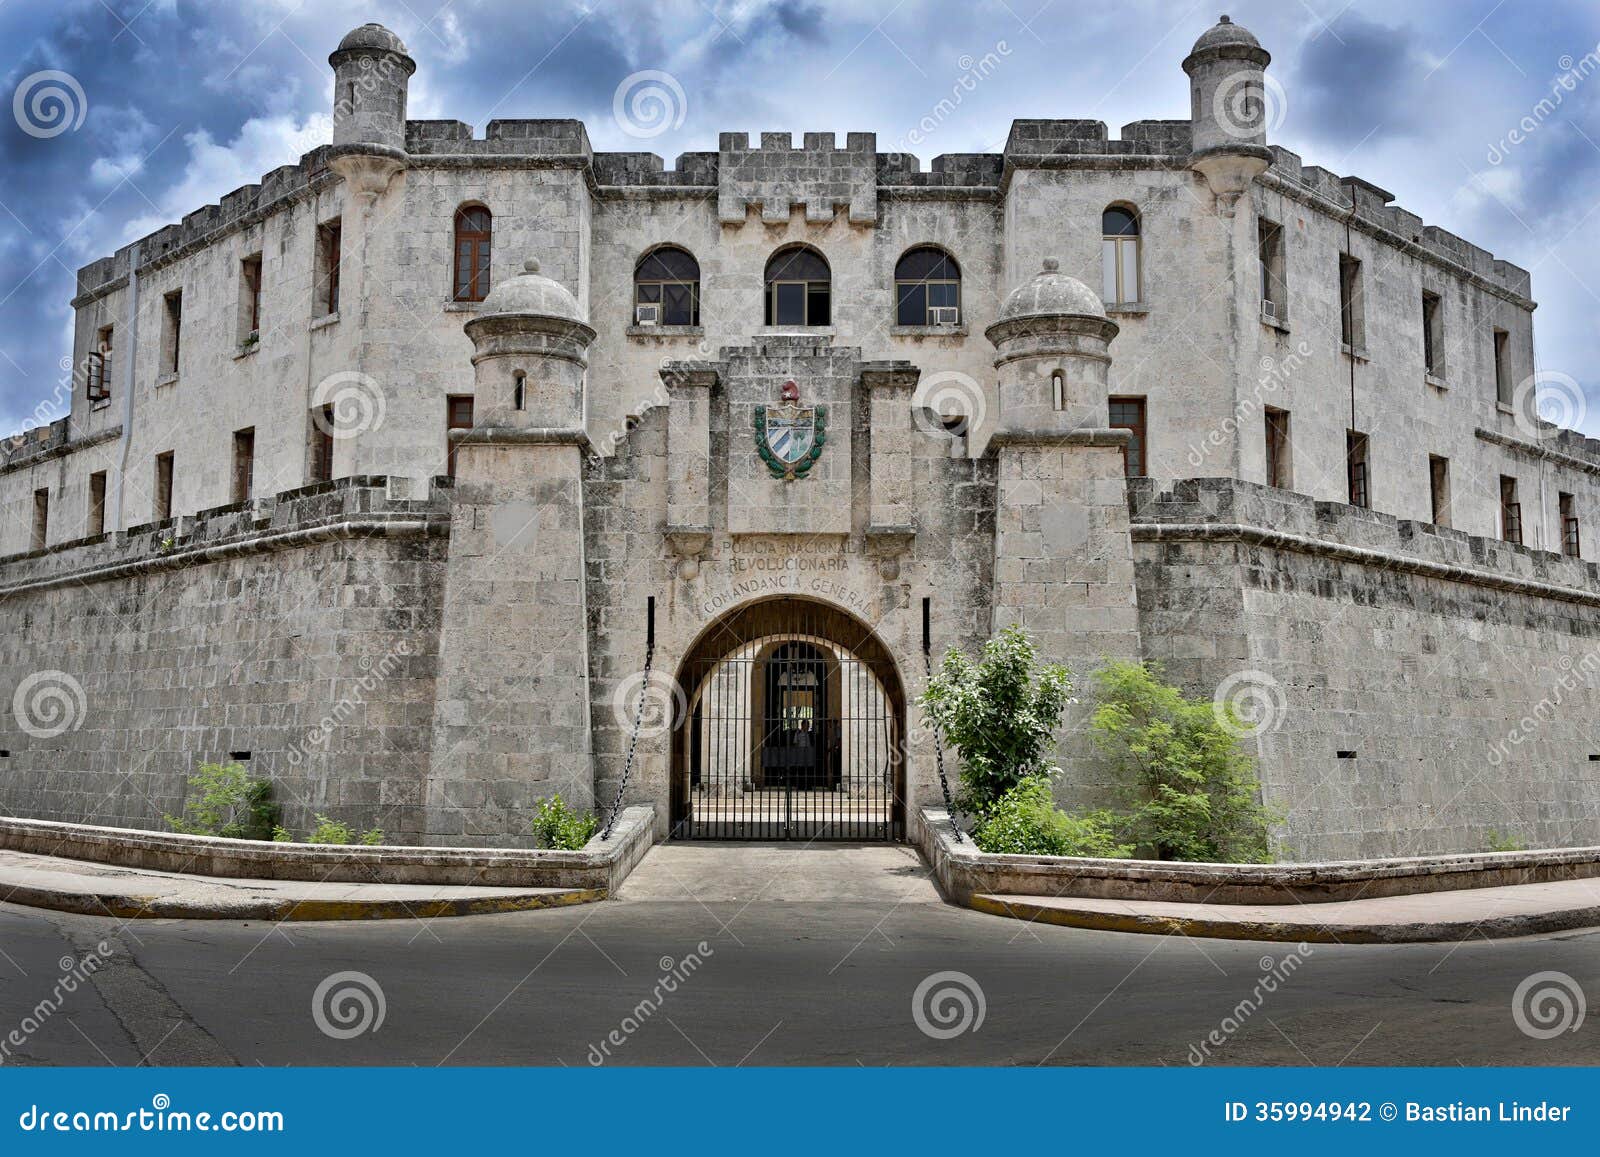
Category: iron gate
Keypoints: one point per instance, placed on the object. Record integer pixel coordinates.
(790, 733)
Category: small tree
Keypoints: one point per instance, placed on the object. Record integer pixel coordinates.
(1192, 792)
(1000, 714)
(223, 800)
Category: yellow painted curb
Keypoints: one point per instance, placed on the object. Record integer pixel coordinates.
(130, 907)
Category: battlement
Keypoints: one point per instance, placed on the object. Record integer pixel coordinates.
(532, 137)
(345, 506)
(1372, 205)
(1031, 140)
(776, 176)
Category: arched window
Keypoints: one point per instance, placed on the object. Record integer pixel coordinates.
(927, 288)
(799, 288)
(473, 227)
(666, 288)
(1119, 256)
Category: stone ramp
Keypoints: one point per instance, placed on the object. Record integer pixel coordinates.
(1470, 913)
(836, 873)
(95, 889)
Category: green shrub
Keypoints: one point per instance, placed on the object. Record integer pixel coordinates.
(1000, 715)
(558, 826)
(1025, 821)
(1191, 790)
(1505, 843)
(223, 800)
(330, 831)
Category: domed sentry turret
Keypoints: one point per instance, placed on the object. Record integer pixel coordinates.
(1052, 345)
(1227, 86)
(529, 344)
(371, 70)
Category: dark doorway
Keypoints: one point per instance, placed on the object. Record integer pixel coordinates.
(794, 729)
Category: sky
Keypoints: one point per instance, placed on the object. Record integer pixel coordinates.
(167, 105)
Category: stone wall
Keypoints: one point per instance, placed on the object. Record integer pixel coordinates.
(1419, 690)
(301, 629)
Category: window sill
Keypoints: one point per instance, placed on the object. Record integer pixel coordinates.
(1436, 381)
(928, 330)
(1280, 324)
(1127, 308)
(451, 305)
(1357, 355)
(326, 319)
(795, 331)
(666, 331)
(245, 351)
(166, 379)
(1504, 407)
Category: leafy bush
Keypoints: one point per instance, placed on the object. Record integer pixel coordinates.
(1000, 714)
(558, 826)
(1505, 843)
(223, 800)
(329, 831)
(1191, 790)
(1025, 821)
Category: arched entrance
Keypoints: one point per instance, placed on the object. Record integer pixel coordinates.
(795, 729)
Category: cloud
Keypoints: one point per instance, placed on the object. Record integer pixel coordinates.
(1358, 80)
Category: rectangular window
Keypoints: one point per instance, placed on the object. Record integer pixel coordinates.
(1352, 325)
(328, 242)
(1510, 510)
(1570, 544)
(244, 463)
(1274, 285)
(97, 504)
(458, 416)
(172, 333)
(250, 300)
(1278, 448)
(97, 371)
(1439, 489)
(1502, 367)
(1129, 414)
(41, 519)
(322, 427)
(1355, 450)
(1432, 335)
(162, 507)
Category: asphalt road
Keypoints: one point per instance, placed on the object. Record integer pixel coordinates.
(769, 958)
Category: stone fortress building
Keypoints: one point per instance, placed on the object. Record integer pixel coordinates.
(390, 473)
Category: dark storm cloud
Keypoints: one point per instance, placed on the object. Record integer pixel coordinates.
(1357, 81)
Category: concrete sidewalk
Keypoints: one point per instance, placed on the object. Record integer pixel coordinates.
(105, 890)
(1519, 910)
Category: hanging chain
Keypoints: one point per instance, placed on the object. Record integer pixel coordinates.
(638, 723)
(938, 751)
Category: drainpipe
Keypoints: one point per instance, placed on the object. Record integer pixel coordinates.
(131, 325)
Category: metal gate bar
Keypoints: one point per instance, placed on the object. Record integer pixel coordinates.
(790, 735)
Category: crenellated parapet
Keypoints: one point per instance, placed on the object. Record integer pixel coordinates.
(776, 177)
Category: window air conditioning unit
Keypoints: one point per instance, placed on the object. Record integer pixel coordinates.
(647, 315)
(1269, 310)
(947, 315)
